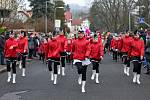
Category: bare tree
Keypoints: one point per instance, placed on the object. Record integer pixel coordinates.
(11, 6)
(113, 14)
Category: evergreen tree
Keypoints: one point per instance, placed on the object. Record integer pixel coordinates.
(39, 9)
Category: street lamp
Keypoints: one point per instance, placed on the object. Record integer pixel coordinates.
(52, 2)
(129, 21)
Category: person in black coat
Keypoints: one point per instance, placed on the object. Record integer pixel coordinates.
(147, 54)
(2, 43)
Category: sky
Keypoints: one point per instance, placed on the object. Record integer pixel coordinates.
(79, 2)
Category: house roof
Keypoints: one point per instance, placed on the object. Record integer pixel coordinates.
(26, 13)
(76, 22)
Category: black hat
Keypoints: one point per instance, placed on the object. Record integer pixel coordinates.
(81, 31)
(136, 32)
(11, 33)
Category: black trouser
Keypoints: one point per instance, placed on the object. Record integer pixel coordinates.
(115, 54)
(22, 57)
(95, 66)
(1, 58)
(34, 52)
(126, 60)
(120, 55)
(56, 63)
(68, 58)
(11, 61)
(63, 57)
(31, 53)
(148, 65)
(137, 65)
(42, 56)
(81, 70)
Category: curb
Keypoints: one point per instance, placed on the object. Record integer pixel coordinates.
(3, 70)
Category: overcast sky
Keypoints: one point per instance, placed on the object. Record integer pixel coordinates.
(79, 2)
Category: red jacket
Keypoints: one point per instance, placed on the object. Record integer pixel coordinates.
(136, 48)
(11, 42)
(23, 45)
(125, 45)
(113, 43)
(68, 46)
(95, 50)
(62, 39)
(53, 49)
(41, 48)
(79, 48)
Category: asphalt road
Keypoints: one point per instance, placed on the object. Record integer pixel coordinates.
(114, 85)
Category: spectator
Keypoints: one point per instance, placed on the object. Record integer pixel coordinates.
(31, 46)
(36, 45)
(147, 54)
(2, 43)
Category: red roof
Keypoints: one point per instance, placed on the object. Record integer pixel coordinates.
(76, 22)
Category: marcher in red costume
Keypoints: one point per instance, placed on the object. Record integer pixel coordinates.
(10, 52)
(62, 39)
(53, 56)
(125, 47)
(95, 53)
(80, 47)
(22, 50)
(137, 53)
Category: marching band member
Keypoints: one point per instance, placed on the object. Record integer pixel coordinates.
(53, 56)
(125, 47)
(23, 50)
(79, 50)
(68, 47)
(137, 54)
(62, 39)
(10, 52)
(95, 53)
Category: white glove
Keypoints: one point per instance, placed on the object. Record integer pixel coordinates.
(86, 59)
(11, 47)
(141, 57)
(24, 51)
(101, 57)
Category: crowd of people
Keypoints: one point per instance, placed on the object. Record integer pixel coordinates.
(56, 49)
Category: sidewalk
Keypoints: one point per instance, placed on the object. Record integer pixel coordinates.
(2, 68)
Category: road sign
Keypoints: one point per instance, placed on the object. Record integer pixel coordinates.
(58, 23)
(141, 20)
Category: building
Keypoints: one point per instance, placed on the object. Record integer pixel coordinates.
(7, 7)
(23, 14)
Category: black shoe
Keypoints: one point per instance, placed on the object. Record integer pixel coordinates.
(148, 73)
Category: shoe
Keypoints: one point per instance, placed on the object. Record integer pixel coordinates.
(125, 69)
(14, 78)
(134, 77)
(20, 64)
(148, 72)
(52, 76)
(80, 79)
(58, 69)
(97, 76)
(83, 86)
(93, 75)
(63, 71)
(138, 79)
(128, 71)
(9, 77)
(23, 72)
(55, 79)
